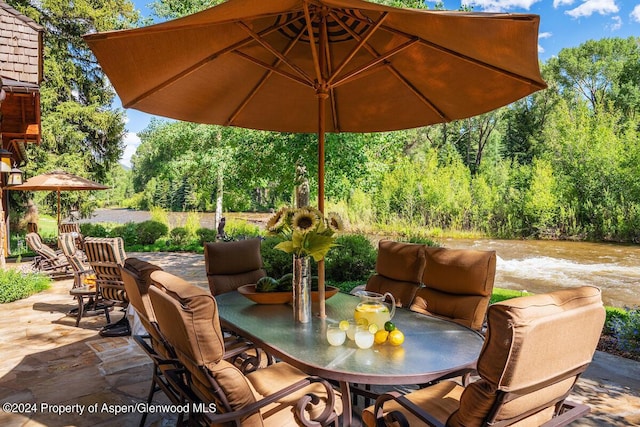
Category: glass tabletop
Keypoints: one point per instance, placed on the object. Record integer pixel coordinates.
(432, 348)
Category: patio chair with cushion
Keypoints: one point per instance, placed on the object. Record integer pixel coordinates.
(75, 258)
(536, 348)
(399, 270)
(53, 263)
(136, 277)
(457, 285)
(277, 395)
(74, 229)
(230, 265)
(106, 256)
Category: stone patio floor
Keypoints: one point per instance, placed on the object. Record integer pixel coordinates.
(55, 374)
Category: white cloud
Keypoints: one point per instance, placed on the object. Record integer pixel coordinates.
(589, 7)
(541, 36)
(502, 5)
(558, 3)
(616, 23)
(635, 14)
(131, 141)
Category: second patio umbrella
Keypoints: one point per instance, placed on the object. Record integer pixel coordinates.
(58, 181)
(322, 66)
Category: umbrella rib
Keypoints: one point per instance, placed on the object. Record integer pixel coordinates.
(270, 67)
(275, 51)
(261, 83)
(470, 59)
(332, 93)
(397, 74)
(361, 42)
(199, 64)
(312, 43)
(347, 77)
(187, 71)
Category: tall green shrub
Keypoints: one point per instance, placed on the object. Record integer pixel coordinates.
(150, 231)
(276, 262)
(352, 259)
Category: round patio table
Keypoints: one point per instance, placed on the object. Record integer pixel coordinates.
(433, 348)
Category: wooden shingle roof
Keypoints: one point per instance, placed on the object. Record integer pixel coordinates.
(20, 46)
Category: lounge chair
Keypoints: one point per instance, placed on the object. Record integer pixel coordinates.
(48, 261)
(277, 395)
(106, 256)
(536, 348)
(75, 258)
(74, 229)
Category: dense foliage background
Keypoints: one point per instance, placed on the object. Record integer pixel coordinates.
(562, 163)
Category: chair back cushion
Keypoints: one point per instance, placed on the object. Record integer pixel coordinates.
(69, 227)
(460, 271)
(457, 284)
(35, 243)
(188, 319)
(230, 265)
(531, 342)
(400, 261)
(106, 255)
(399, 268)
(67, 242)
(136, 275)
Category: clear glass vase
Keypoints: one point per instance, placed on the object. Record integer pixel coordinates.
(301, 289)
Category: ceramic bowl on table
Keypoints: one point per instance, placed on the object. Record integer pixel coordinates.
(249, 291)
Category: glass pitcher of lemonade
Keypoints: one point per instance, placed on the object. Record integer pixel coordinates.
(373, 308)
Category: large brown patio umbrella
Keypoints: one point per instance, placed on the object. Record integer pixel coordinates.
(58, 181)
(322, 66)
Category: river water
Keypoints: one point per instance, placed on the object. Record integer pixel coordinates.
(533, 265)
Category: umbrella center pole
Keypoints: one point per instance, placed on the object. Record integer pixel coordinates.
(323, 94)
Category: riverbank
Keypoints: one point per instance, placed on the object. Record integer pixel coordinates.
(536, 266)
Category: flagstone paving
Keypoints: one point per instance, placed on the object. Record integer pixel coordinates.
(55, 374)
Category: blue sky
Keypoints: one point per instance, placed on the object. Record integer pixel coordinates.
(563, 23)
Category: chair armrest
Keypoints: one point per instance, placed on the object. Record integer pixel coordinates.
(322, 419)
(397, 417)
(569, 411)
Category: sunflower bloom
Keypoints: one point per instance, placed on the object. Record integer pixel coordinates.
(304, 221)
(335, 222)
(276, 222)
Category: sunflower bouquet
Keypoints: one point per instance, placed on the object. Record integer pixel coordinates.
(305, 231)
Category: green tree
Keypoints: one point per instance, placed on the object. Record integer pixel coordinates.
(593, 70)
(80, 132)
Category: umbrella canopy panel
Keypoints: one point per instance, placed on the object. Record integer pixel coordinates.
(254, 64)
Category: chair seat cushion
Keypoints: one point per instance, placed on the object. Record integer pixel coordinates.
(440, 400)
(268, 380)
